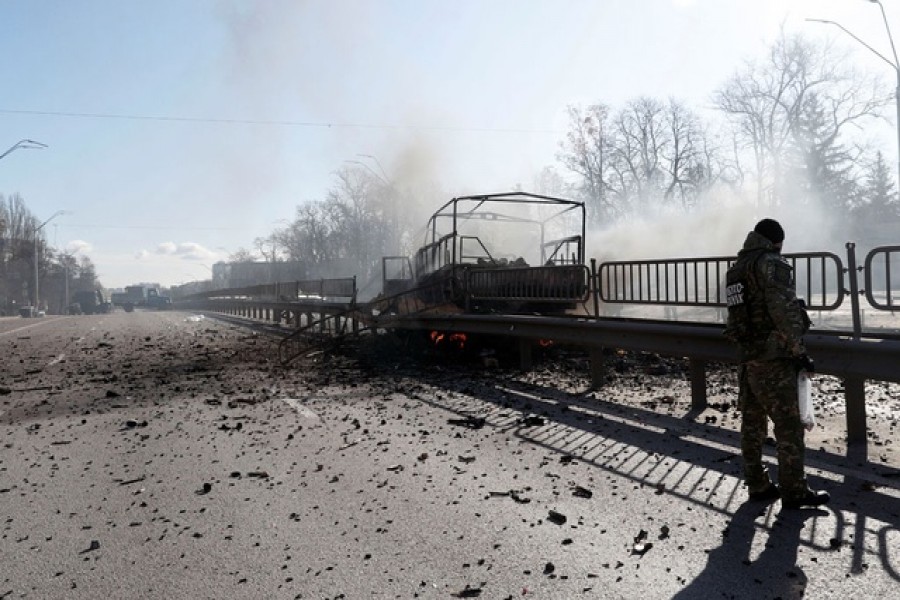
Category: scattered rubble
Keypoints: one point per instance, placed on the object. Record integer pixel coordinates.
(383, 476)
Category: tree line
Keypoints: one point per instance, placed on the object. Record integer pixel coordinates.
(57, 271)
(787, 134)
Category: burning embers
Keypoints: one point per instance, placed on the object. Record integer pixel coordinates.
(455, 341)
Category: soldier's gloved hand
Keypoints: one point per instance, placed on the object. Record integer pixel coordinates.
(805, 363)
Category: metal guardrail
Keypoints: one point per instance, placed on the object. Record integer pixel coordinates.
(835, 354)
(344, 287)
(879, 261)
(854, 359)
(699, 281)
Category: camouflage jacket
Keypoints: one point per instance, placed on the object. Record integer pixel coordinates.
(761, 284)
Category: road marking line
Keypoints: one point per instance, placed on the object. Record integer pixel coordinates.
(29, 326)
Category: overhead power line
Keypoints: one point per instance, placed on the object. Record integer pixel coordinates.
(163, 227)
(278, 123)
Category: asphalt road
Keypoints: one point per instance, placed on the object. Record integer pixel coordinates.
(164, 455)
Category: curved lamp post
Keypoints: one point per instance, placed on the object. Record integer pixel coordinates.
(382, 177)
(895, 64)
(25, 145)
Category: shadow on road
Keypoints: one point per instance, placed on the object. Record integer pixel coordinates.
(697, 463)
(772, 574)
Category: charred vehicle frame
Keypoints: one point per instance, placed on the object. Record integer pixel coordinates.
(480, 270)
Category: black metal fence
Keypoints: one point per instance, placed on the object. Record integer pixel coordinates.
(700, 281)
(882, 272)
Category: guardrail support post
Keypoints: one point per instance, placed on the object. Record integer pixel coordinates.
(698, 384)
(598, 368)
(525, 354)
(854, 290)
(855, 397)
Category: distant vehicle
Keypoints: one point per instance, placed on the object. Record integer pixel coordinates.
(89, 302)
(158, 301)
(141, 296)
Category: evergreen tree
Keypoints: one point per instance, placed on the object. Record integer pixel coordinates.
(821, 168)
(878, 200)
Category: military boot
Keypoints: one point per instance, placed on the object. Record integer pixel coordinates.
(809, 498)
(767, 494)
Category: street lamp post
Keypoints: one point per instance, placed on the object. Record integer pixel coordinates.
(895, 64)
(37, 297)
(370, 170)
(377, 162)
(25, 145)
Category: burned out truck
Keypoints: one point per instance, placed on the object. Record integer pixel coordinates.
(511, 253)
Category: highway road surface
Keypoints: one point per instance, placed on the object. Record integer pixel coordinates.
(168, 455)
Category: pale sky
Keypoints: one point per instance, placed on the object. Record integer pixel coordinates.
(180, 130)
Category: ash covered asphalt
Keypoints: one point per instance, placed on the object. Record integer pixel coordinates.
(160, 455)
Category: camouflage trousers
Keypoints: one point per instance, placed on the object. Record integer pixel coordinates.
(768, 390)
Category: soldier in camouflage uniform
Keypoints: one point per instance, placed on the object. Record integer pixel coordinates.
(767, 322)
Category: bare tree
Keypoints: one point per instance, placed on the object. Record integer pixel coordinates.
(770, 104)
(586, 152)
(639, 142)
(87, 274)
(647, 153)
(17, 246)
(241, 255)
(692, 162)
(267, 247)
